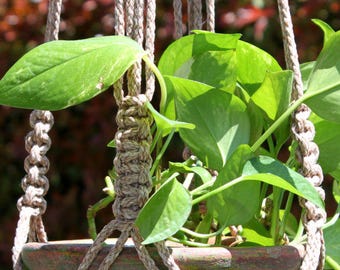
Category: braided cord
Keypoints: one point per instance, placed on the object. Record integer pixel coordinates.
(178, 20)
(210, 9)
(133, 138)
(307, 152)
(32, 205)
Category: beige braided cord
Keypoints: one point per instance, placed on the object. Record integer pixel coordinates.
(210, 10)
(307, 153)
(196, 17)
(178, 20)
(32, 205)
(133, 138)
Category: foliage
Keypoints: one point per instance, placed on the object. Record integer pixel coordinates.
(211, 112)
(80, 133)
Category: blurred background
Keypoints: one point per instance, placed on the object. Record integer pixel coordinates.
(79, 156)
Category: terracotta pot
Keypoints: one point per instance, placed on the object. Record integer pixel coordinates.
(67, 255)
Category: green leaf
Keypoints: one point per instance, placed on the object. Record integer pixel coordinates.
(183, 49)
(204, 227)
(253, 65)
(229, 207)
(112, 144)
(179, 56)
(336, 192)
(164, 124)
(255, 232)
(221, 120)
(273, 96)
(323, 91)
(332, 242)
(328, 31)
(59, 74)
(327, 138)
(164, 213)
(273, 172)
(222, 69)
(306, 70)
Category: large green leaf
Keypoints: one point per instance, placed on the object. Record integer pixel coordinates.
(178, 58)
(253, 65)
(221, 120)
(183, 49)
(332, 242)
(306, 70)
(164, 213)
(328, 31)
(230, 207)
(271, 171)
(222, 69)
(60, 74)
(327, 138)
(273, 96)
(323, 91)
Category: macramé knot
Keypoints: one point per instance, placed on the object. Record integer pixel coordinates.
(37, 142)
(133, 159)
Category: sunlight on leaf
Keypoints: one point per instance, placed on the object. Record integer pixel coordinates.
(323, 91)
(271, 171)
(76, 71)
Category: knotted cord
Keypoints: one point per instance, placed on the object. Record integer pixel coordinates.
(133, 138)
(307, 152)
(32, 204)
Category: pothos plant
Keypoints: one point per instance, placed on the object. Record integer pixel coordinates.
(229, 101)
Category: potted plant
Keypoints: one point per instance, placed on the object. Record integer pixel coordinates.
(229, 101)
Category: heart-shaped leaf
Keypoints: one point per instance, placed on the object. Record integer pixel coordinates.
(164, 213)
(221, 131)
(240, 210)
(59, 74)
(253, 65)
(327, 138)
(273, 96)
(323, 91)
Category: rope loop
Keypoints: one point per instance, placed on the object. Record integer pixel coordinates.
(308, 152)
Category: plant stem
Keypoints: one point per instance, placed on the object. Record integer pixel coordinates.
(332, 263)
(285, 214)
(202, 187)
(188, 243)
(161, 152)
(277, 123)
(161, 82)
(216, 191)
(275, 221)
(202, 235)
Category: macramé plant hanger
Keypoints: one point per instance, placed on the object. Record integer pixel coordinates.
(136, 19)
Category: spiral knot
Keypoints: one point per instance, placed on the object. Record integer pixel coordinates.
(133, 159)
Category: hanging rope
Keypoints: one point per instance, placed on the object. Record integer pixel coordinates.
(32, 204)
(210, 4)
(178, 20)
(194, 14)
(307, 153)
(133, 138)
